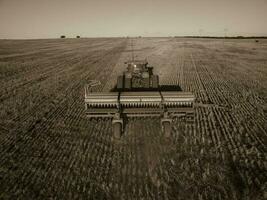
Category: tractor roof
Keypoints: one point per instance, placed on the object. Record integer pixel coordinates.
(143, 62)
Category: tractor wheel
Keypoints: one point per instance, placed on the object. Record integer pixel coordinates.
(155, 81)
(120, 82)
(166, 126)
(117, 130)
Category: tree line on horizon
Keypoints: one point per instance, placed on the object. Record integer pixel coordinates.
(222, 37)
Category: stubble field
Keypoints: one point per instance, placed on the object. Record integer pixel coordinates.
(49, 149)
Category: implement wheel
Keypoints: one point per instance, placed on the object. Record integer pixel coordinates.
(166, 127)
(117, 129)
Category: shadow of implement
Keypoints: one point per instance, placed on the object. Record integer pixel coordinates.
(162, 88)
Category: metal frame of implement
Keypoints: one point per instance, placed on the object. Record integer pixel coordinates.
(118, 105)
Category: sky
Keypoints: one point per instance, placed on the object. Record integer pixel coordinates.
(26, 19)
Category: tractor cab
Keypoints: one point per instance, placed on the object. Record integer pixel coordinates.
(137, 66)
(138, 75)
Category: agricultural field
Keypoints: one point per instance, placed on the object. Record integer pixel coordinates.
(50, 150)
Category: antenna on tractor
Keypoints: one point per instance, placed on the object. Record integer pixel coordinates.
(132, 50)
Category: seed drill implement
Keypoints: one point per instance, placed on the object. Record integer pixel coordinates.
(138, 94)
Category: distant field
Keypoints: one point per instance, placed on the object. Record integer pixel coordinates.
(49, 149)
